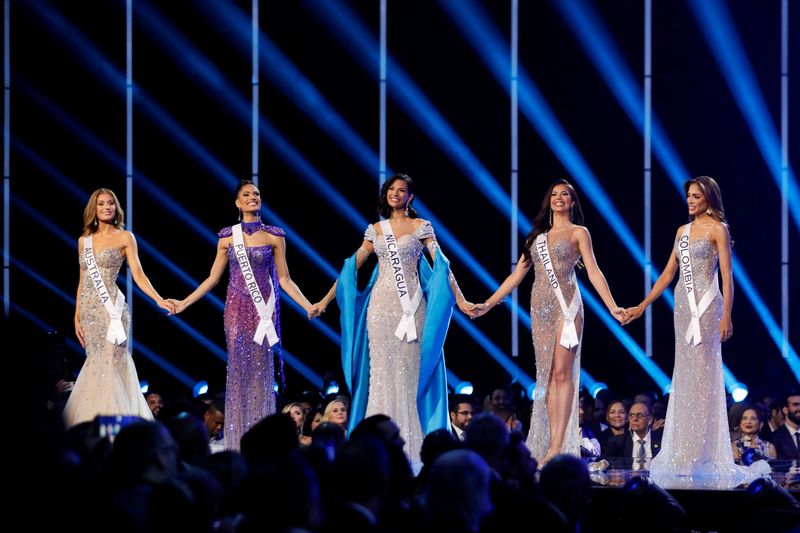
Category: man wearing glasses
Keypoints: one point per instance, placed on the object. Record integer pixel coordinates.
(462, 408)
(640, 444)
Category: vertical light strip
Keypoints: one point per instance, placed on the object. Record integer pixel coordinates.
(129, 148)
(648, 197)
(6, 160)
(785, 177)
(254, 91)
(382, 104)
(514, 170)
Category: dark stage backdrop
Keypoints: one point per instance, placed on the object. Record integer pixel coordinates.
(68, 127)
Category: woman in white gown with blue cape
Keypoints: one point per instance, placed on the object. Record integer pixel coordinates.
(393, 332)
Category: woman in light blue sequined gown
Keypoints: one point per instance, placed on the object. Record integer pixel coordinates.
(403, 379)
(249, 391)
(108, 383)
(554, 248)
(696, 450)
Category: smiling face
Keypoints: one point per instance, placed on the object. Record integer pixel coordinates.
(249, 199)
(106, 208)
(617, 415)
(750, 424)
(696, 200)
(397, 195)
(561, 199)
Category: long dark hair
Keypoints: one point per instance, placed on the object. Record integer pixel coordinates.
(544, 219)
(384, 209)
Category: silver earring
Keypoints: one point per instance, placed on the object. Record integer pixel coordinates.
(94, 223)
(551, 218)
(407, 208)
(240, 215)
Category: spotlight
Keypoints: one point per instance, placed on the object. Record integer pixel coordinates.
(201, 387)
(596, 388)
(276, 387)
(531, 390)
(465, 387)
(332, 388)
(739, 392)
(144, 386)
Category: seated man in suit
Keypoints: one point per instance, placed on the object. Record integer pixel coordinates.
(787, 437)
(462, 408)
(634, 449)
(775, 420)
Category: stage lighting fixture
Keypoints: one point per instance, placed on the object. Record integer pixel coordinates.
(596, 388)
(144, 386)
(739, 392)
(465, 387)
(201, 387)
(332, 388)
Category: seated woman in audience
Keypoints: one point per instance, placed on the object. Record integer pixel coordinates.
(617, 420)
(749, 425)
(336, 412)
(297, 413)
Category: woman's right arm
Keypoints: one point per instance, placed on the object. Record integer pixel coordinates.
(362, 254)
(505, 288)
(78, 328)
(217, 269)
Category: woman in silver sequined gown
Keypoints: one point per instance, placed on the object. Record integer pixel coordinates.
(554, 416)
(394, 364)
(696, 450)
(107, 383)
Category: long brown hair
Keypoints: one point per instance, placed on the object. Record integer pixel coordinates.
(90, 223)
(543, 221)
(710, 189)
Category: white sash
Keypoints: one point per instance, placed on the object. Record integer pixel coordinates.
(569, 335)
(406, 328)
(265, 325)
(693, 331)
(116, 331)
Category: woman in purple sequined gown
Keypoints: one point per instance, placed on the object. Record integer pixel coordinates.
(695, 454)
(108, 383)
(554, 248)
(249, 392)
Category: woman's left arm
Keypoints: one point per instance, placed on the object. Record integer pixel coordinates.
(722, 239)
(141, 279)
(465, 306)
(289, 286)
(596, 276)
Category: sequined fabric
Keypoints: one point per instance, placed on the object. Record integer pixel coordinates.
(394, 364)
(108, 383)
(249, 392)
(696, 447)
(546, 324)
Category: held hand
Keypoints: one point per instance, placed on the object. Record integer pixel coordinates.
(314, 311)
(633, 313)
(725, 328)
(620, 314)
(177, 305)
(79, 332)
(479, 310)
(466, 307)
(167, 305)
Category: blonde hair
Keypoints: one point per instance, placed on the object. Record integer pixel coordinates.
(90, 223)
(326, 415)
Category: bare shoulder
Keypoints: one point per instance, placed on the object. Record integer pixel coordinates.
(719, 231)
(419, 222)
(581, 233)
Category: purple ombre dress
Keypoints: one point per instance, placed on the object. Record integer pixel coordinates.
(249, 392)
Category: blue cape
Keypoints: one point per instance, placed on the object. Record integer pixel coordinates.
(432, 385)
